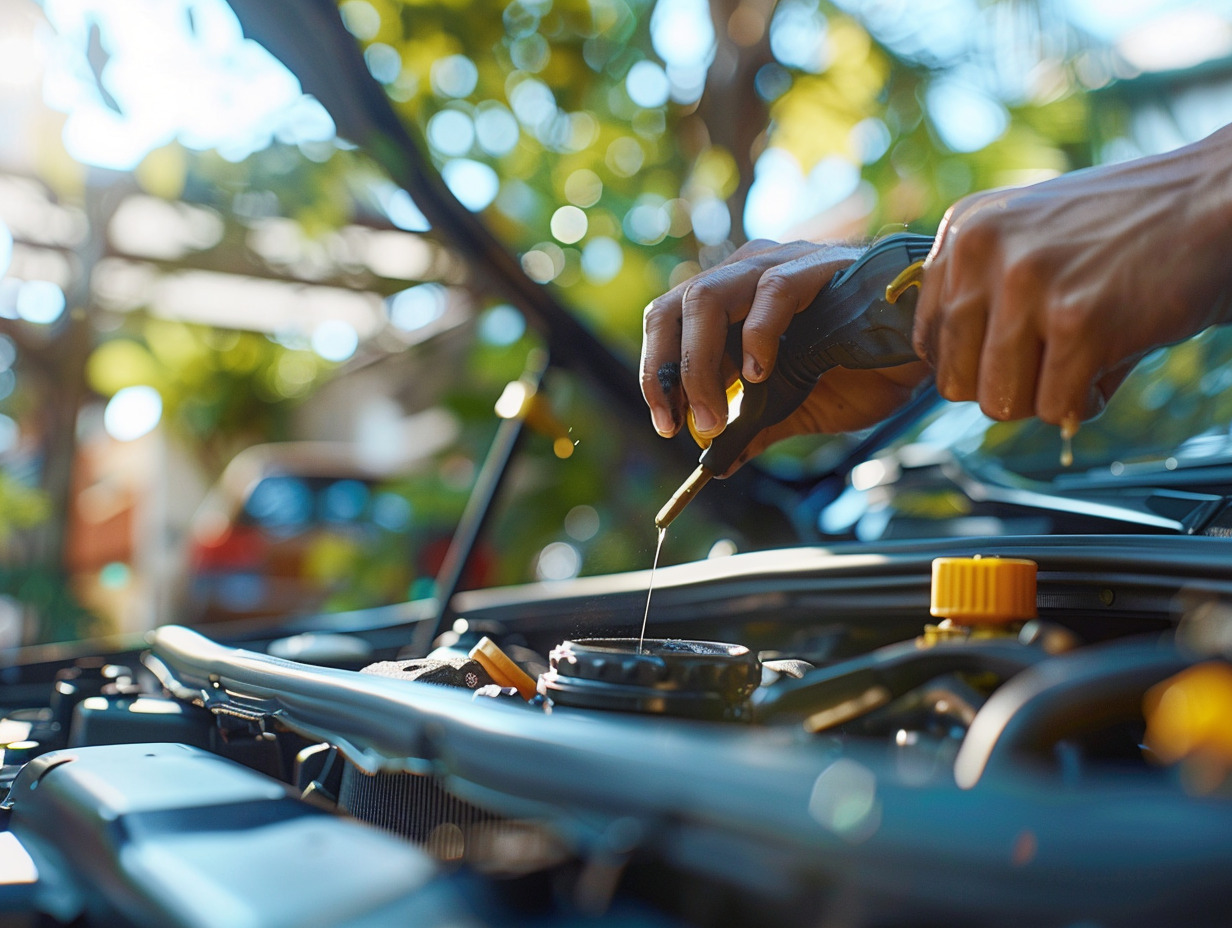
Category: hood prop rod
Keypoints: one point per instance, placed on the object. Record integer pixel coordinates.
(479, 504)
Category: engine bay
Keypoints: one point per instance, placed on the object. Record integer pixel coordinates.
(802, 740)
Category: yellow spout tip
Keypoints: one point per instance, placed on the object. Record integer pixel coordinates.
(682, 497)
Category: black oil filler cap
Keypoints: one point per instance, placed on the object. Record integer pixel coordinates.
(664, 676)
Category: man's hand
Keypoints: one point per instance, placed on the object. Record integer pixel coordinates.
(1036, 301)
(762, 285)
(1039, 300)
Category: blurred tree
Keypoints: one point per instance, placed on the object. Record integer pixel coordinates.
(621, 146)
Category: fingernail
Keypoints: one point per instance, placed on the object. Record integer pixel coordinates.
(707, 422)
(663, 423)
(752, 370)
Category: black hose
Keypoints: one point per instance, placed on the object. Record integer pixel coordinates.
(1062, 697)
(841, 692)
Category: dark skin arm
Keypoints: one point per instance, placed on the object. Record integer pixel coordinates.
(1037, 301)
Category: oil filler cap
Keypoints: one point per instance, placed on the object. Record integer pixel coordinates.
(662, 676)
(983, 590)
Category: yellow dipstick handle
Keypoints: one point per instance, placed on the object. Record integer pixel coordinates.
(502, 669)
(911, 276)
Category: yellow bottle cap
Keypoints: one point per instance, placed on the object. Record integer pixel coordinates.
(502, 669)
(983, 590)
(1187, 715)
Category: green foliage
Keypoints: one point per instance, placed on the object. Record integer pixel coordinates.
(21, 506)
(597, 150)
(47, 593)
(221, 389)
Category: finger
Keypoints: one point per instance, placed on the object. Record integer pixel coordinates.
(709, 305)
(958, 343)
(660, 366)
(782, 291)
(1009, 366)
(1067, 372)
(661, 335)
(932, 289)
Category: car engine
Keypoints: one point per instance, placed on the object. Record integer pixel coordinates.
(805, 739)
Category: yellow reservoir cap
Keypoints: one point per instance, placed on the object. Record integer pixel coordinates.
(983, 590)
(502, 669)
(1187, 715)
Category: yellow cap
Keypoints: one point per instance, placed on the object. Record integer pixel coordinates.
(983, 590)
(501, 668)
(1187, 715)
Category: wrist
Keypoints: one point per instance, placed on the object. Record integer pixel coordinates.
(1207, 208)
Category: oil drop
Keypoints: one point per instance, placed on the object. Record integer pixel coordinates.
(650, 588)
(1069, 428)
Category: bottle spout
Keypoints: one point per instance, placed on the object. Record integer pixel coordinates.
(682, 497)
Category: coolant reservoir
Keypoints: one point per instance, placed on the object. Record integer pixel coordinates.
(982, 593)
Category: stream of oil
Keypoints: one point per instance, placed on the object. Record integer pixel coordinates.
(650, 589)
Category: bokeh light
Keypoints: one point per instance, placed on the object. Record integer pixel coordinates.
(558, 561)
(602, 259)
(569, 224)
(401, 209)
(392, 512)
(10, 434)
(502, 325)
(156, 55)
(418, 306)
(647, 84)
(335, 340)
(798, 35)
(625, 156)
(384, 62)
(582, 523)
(533, 103)
(344, 501)
(682, 33)
(966, 118)
(496, 128)
(711, 221)
(451, 132)
(472, 182)
(361, 18)
(133, 412)
(648, 221)
(40, 301)
(281, 505)
(583, 188)
(782, 196)
(454, 76)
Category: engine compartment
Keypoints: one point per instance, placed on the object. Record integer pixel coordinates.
(791, 748)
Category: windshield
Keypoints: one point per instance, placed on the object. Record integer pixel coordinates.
(1174, 411)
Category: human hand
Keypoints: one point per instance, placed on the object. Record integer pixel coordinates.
(1039, 300)
(763, 285)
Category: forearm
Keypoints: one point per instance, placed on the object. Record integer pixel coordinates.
(1208, 210)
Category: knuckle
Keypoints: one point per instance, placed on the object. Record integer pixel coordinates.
(1026, 272)
(1066, 321)
(973, 238)
(655, 311)
(774, 285)
(699, 296)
